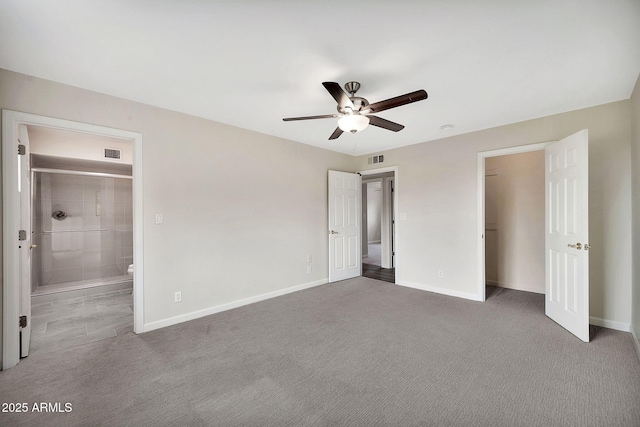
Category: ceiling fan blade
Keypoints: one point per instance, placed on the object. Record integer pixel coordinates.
(325, 116)
(338, 94)
(385, 124)
(336, 133)
(408, 98)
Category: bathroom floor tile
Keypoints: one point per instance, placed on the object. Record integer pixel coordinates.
(67, 323)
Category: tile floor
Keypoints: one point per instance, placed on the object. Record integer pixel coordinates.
(71, 322)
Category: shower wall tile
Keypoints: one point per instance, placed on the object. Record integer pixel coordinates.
(89, 255)
(101, 272)
(68, 275)
(92, 240)
(66, 188)
(98, 257)
(62, 242)
(67, 260)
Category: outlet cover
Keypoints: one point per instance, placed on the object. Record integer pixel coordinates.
(177, 297)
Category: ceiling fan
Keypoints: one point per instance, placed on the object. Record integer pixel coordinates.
(355, 113)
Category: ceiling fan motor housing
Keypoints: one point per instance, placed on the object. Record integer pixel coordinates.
(352, 87)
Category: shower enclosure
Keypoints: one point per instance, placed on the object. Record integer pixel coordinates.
(83, 229)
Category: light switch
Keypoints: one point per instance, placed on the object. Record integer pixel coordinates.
(159, 219)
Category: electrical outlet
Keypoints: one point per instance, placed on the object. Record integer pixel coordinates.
(440, 274)
(159, 219)
(177, 296)
(308, 269)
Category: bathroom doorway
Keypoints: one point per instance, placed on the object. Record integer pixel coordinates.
(71, 277)
(82, 238)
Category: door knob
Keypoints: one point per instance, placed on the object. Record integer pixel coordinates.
(333, 232)
(33, 246)
(578, 246)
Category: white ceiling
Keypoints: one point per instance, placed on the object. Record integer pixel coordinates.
(251, 63)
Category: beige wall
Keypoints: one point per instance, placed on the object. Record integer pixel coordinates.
(437, 190)
(635, 166)
(514, 217)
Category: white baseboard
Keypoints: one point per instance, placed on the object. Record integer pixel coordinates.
(439, 290)
(230, 305)
(611, 324)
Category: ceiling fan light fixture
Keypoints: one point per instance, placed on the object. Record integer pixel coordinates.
(353, 123)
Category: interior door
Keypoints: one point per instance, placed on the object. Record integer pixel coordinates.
(567, 233)
(25, 246)
(345, 205)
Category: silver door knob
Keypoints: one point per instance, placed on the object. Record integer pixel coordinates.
(33, 246)
(578, 246)
(333, 232)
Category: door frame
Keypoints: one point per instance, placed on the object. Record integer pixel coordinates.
(393, 233)
(10, 221)
(481, 290)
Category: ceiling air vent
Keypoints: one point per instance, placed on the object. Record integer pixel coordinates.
(375, 159)
(111, 153)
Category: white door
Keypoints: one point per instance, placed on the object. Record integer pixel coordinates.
(345, 204)
(25, 246)
(567, 233)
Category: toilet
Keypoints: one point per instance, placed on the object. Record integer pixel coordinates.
(130, 270)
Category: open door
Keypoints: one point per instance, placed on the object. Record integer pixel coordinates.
(567, 233)
(24, 242)
(345, 204)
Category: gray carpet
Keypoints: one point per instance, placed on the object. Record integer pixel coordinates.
(357, 352)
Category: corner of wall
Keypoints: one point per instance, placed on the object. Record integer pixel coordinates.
(635, 215)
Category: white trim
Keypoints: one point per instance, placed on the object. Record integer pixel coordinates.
(611, 324)
(10, 216)
(481, 294)
(439, 290)
(230, 305)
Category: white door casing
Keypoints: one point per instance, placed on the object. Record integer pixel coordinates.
(567, 233)
(24, 246)
(345, 206)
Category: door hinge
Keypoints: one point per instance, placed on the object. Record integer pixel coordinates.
(22, 234)
(23, 321)
(22, 150)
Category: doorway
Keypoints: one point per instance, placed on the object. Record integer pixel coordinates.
(378, 224)
(514, 222)
(18, 324)
(566, 231)
(81, 234)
